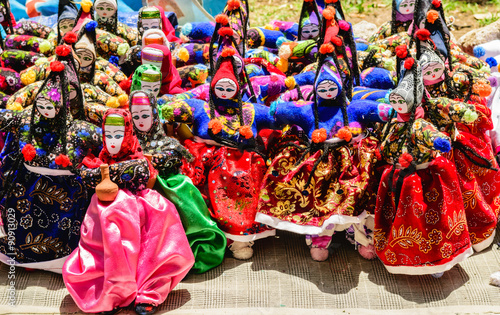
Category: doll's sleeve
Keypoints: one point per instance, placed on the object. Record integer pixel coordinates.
(94, 112)
(131, 174)
(110, 69)
(128, 33)
(426, 135)
(37, 72)
(10, 120)
(451, 110)
(94, 94)
(105, 82)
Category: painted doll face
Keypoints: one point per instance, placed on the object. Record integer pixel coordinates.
(142, 117)
(225, 89)
(310, 31)
(86, 57)
(72, 92)
(114, 138)
(407, 7)
(432, 71)
(327, 89)
(46, 108)
(398, 103)
(104, 9)
(65, 26)
(151, 87)
(148, 24)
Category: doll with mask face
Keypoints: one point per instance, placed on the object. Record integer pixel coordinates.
(309, 21)
(419, 192)
(160, 56)
(207, 241)
(48, 146)
(157, 255)
(147, 78)
(153, 17)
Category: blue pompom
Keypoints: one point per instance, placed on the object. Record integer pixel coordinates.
(114, 60)
(160, 101)
(90, 26)
(442, 145)
(361, 46)
(492, 62)
(479, 51)
(280, 41)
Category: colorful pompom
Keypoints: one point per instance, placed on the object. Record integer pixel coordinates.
(436, 3)
(183, 54)
(479, 51)
(290, 82)
(45, 46)
(409, 63)
(432, 16)
(233, 5)
(56, 66)
(329, 13)
(63, 50)
(90, 26)
(246, 132)
(86, 5)
(405, 160)
(63, 160)
(122, 49)
(337, 41)
(28, 77)
(343, 25)
(70, 37)
(319, 135)
(114, 60)
(492, 62)
(225, 31)
(481, 89)
(222, 19)
(215, 125)
(423, 34)
(28, 152)
(442, 145)
(123, 100)
(402, 51)
(228, 52)
(112, 102)
(344, 134)
(470, 116)
(326, 48)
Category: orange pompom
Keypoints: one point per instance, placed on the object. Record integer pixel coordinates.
(326, 49)
(409, 63)
(70, 37)
(329, 13)
(319, 135)
(63, 50)
(222, 19)
(56, 66)
(337, 41)
(228, 52)
(481, 89)
(215, 125)
(63, 160)
(432, 16)
(225, 31)
(233, 5)
(423, 34)
(401, 51)
(28, 152)
(344, 134)
(405, 160)
(246, 132)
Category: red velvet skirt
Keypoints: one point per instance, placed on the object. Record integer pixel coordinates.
(427, 233)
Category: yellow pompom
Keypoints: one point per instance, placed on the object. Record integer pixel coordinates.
(112, 102)
(86, 5)
(45, 46)
(282, 65)
(183, 54)
(290, 82)
(28, 77)
(14, 106)
(123, 100)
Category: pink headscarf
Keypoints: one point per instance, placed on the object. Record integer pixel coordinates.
(167, 27)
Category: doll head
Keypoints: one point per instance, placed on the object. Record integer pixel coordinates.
(46, 107)
(114, 132)
(152, 56)
(407, 96)
(147, 78)
(65, 25)
(309, 20)
(310, 31)
(224, 84)
(405, 6)
(149, 18)
(154, 36)
(105, 8)
(328, 84)
(433, 67)
(142, 113)
(66, 19)
(85, 47)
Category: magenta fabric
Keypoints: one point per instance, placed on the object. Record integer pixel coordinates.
(132, 248)
(171, 80)
(167, 27)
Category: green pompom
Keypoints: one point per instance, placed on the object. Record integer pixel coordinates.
(122, 49)
(167, 112)
(45, 46)
(470, 116)
(390, 64)
(485, 69)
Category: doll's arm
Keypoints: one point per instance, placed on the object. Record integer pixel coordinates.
(426, 135)
(293, 113)
(105, 82)
(94, 112)
(263, 119)
(129, 33)
(39, 71)
(455, 111)
(24, 97)
(366, 111)
(94, 94)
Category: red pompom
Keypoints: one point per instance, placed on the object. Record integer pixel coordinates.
(222, 19)
(56, 66)
(405, 160)
(63, 160)
(233, 5)
(401, 51)
(63, 50)
(91, 161)
(125, 84)
(70, 37)
(436, 3)
(28, 152)
(225, 31)
(331, 1)
(329, 13)
(215, 125)
(319, 135)
(409, 63)
(423, 34)
(344, 25)
(337, 41)
(228, 52)
(246, 132)
(326, 49)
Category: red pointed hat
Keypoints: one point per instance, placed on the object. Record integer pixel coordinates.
(225, 71)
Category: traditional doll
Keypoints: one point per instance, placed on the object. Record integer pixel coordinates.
(154, 36)
(86, 51)
(259, 36)
(309, 21)
(420, 222)
(207, 241)
(147, 78)
(228, 176)
(39, 180)
(105, 13)
(160, 56)
(313, 189)
(66, 18)
(133, 247)
(153, 17)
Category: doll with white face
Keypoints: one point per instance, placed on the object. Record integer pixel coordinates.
(46, 108)
(225, 89)
(149, 18)
(151, 81)
(114, 132)
(105, 8)
(327, 89)
(154, 36)
(142, 114)
(310, 31)
(406, 7)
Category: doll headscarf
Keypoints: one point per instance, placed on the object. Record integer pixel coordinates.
(108, 23)
(429, 56)
(148, 13)
(167, 27)
(225, 71)
(130, 148)
(67, 11)
(308, 15)
(148, 73)
(87, 40)
(154, 36)
(171, 81)
(154, 140)
(328, 72)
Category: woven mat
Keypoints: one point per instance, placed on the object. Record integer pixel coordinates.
(281, 278)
